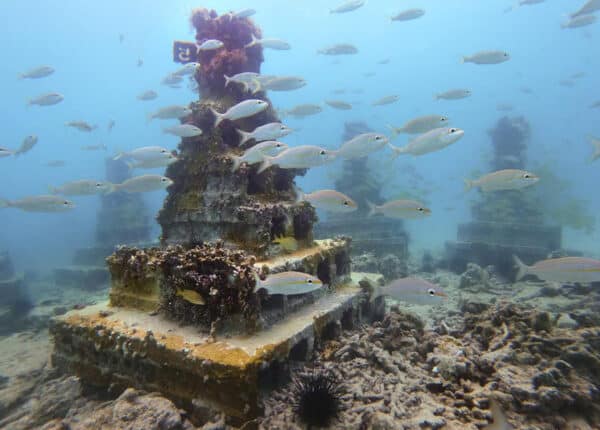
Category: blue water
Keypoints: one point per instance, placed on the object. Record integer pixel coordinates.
(99, 79)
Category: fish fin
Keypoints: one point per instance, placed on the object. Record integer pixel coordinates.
(218, 117)
(372, 208)
(595, 142)
(130, 165)
(149, 117)
(52, 190)
(237, 161)
(119, 156)
(112, 188)
(463, 60)
(20, 76)
(265, 164)
(4, 203)
(468, 184)
(256, 86)
(244, 136)
(522, 268)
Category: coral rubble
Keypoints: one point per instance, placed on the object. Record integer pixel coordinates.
(399, 374)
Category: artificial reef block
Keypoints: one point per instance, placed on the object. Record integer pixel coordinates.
(155, 279)
(118, 347)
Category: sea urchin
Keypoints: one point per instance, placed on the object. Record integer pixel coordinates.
(317, 397)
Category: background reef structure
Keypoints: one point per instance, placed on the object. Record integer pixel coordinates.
(122, 218)
(376, 235)
(208, 200)
(506, 223)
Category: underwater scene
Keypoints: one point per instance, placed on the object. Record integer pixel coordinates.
(300, 214)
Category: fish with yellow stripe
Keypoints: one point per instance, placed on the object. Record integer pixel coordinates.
(566, 269)
(289, 283)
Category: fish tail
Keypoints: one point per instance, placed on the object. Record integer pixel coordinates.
(119, 156)
(227, 80)
(149, 117)
(522, 268)
(20, 76)
(596, 146)
(252, 43)
(244, 136)
(4, 203)
(397, 151)
(463, 60)
(265, 164)
(468, 184)
(237, 161)
(372, 208)
(218, 117)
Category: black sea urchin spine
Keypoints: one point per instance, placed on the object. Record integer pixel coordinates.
(317, 398)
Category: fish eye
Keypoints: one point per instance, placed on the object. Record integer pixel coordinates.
(453, 130)
(431, 292)
(322, 152)
(377, 137)
(66, 203)
(527, 176)
(163, 179)
(278, 145)
(444, 118)
(309, 281)
(346, 203)
(421, 209)
(98, 184)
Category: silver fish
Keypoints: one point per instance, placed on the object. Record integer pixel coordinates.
(48, 99)
(408, 15)
(401, 209)
(299, 157)
(81, 126)
(579, 21)
(362, 145)
(487, 57)
(170, 112)
(386, 100)
(244, 13)
(258, 152)
(431, 141)
(241, 110)
(81, 188)
(304, 110)
(277, 44)
(453, 94)
(567, 269)
(590, 6)
(420, 125)
(143, 184)
(339, 49)
(145, 153)
(172, 80)
(39, 204)
(245, 78)
(413, 290)
(270, 131)
(28, 143)
(100, 147)
(348, 6)
(183, 130)
(152, 164)
(284, 83)
(37, 73)
(55, 163)
(187, 69)
(508, 179)
(5, 152)
(147, 95)
(328, 200)
(338, 104)
(289, 283)
(210, 45)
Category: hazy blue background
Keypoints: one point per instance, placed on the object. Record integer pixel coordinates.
(99, 79)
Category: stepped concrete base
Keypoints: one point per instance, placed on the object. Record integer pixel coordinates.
(122, 348)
